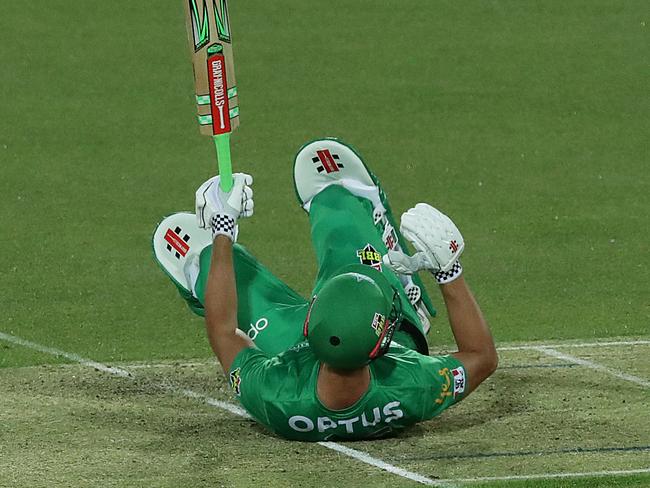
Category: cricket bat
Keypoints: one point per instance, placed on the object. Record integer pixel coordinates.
(208, 29)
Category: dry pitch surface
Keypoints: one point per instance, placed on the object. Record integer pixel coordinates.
(569, 414)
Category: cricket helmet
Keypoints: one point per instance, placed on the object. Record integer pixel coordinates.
(352, 318)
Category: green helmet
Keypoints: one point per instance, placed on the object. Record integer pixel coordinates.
(352, 318)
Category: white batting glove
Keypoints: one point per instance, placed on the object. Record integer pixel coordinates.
(404, 264)
(436, 238)
(219, 211)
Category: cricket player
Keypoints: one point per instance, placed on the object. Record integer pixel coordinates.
(352, 361)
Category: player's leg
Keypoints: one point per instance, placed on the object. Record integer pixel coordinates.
(270, 312)
(349, 217)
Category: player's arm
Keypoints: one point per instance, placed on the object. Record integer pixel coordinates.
(221, 305)
(218, 211)
(475, 345)
(439, 245)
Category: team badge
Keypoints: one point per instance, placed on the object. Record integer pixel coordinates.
(378, 323)
(177, 242)
(235, 381)
(369, 256)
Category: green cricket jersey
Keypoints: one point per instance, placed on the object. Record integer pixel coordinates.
(405, 387)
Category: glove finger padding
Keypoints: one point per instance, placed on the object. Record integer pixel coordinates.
(434, 234)
(240, 192)
(247, 194)
(404, 264)
(247, 208)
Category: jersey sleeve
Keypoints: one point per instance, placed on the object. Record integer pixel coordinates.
(444, 379)
(247, 379)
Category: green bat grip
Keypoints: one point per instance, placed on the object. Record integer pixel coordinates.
(222, 143)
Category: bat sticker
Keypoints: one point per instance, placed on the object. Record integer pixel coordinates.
(200, 25)
(218, 90)
(223, 23)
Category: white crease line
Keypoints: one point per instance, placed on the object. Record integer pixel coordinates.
(527, 347)
(590, 364)
(544, 476)
(366, 458)
(68, 355)
(229, 407)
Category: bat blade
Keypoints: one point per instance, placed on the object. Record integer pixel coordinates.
(208, 29)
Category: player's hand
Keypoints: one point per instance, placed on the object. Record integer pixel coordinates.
(436, 238)
(219, 211)
(404, 264)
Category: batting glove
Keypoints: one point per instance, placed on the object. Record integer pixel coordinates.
(436, 238)
(219, 211)
(404, 264)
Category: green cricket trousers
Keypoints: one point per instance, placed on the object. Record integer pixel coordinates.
(343, 232)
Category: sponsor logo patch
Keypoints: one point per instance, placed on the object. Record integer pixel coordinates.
(326, 161)
(235, 381)
(378, 323)
(459, 380)
(369, 256)
(176, 244)
(453, 246)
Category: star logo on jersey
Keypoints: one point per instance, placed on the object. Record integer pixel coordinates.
(235, 381)
(370, 257)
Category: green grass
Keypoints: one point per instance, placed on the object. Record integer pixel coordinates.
(525, 121)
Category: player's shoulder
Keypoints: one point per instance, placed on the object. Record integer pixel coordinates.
(402, 362)
(291, 361)
(399, 353)
(283, 379)
(300, 353)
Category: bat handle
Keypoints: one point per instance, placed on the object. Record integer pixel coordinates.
(222, 144)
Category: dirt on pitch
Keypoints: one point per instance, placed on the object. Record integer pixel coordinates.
(73, 426)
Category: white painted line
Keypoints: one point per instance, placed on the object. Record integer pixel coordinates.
(527, 347)
(229, 407)
(543, 476)
(590, 364)
(368, 459)
(68, 355)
